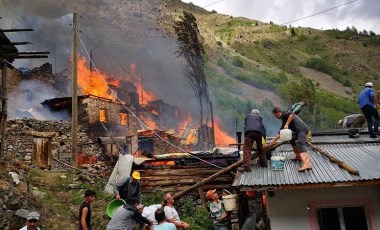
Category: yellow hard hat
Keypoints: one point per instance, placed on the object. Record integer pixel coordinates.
(136, 175)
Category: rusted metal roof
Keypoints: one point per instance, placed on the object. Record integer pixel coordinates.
(362, 153)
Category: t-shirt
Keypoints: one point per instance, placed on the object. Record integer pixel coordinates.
(88, 217)
(25, 228)
(149, 211)
(170, 212)
(165, 226)
(216, 209)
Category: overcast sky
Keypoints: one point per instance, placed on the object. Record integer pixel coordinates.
(363, 14)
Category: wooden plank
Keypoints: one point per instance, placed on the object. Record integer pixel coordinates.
(202, 195)
(340, 163)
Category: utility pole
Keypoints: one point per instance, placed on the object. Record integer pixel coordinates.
(4, 112)
(74, 104)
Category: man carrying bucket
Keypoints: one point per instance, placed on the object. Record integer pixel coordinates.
(220, 217)
(128, 187)
(299, 130)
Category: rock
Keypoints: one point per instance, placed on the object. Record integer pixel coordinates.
(22, 213)
(63, 177)
(85, 166)
(39, 194)
(28, 158)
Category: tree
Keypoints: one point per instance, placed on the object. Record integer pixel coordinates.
(371, 33)
(191, 49)
(303, 89)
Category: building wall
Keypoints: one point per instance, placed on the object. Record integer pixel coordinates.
(19, 139)
(88, 115)
(289, 209)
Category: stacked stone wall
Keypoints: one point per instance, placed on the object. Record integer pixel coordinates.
(19, 139)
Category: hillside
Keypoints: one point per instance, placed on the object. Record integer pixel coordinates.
(248, 63)
(264, 62)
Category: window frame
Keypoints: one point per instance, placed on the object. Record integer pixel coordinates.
(126, 119)
(313, 207)
(105, 115)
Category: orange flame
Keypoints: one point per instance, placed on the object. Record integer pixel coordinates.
(134, 76)
(222, 138)
(94, 82)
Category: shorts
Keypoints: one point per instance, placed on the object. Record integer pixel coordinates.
(299, 139)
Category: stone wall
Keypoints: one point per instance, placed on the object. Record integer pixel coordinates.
(19, 139)
(88, 116)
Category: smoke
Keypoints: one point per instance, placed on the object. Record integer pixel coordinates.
(24, 101)
(118, 33)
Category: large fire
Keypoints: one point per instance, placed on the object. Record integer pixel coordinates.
(222, 138)
(97, 83)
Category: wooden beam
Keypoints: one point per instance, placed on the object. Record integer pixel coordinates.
(15, 30)
(225, 170)
(31, 56)
(341, 164)
(19, 43)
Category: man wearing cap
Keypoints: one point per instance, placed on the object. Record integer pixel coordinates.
(128, 187)
(254, 131)
(219, 216)
(85, 210)
(366, 103)
(32, 221)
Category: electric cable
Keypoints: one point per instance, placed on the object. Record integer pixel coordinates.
(137, 118)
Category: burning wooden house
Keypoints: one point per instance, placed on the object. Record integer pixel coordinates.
(102, 117)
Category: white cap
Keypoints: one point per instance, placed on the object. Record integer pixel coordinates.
(255, 111)
(33, 216)
(368, 84)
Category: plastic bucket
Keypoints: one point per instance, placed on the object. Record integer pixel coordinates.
(113, 205)
(230, 202)
(277, 163)
(285, 134)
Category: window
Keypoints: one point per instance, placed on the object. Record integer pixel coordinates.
(123, 119)
(348, 218)
(102, 115)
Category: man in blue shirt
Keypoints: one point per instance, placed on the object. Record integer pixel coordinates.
(367, 104)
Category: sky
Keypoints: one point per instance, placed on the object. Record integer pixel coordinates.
(363, 14)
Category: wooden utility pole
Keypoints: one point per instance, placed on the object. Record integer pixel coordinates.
(74, 104)
(4, 112)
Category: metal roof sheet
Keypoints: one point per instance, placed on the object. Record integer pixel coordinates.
(356, 152)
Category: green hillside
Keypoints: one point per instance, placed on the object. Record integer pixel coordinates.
(282, 65)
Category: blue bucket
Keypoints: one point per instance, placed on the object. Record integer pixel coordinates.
(277, 163)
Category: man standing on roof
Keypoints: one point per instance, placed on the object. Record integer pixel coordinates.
(367, 104)
(128, 187)
(293, 110)
(298, 141)
(254, 131)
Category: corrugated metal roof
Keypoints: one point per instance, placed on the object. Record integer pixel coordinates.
(356, 152)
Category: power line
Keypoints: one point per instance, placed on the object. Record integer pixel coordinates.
(137, 118)
(335, 7)
(212, 4)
